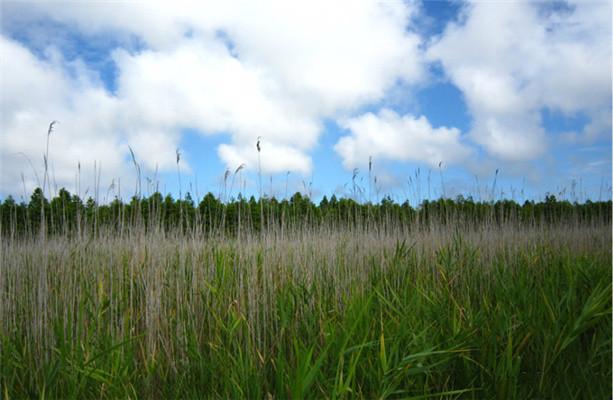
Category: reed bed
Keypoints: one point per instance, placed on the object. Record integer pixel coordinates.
(504, 311)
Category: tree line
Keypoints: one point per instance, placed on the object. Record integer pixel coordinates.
(68, 214)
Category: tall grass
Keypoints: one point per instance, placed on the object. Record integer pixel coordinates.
(442, 311)
(451, 300)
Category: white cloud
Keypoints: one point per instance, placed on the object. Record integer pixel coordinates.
(273, 158)
(330, 54)
(273, 70)
(388, 135)
(513, 59)
(33, 94)
(200, 85)
(278, 70)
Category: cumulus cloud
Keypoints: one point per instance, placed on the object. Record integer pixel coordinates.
(273, 158)
(513, 59)
(201, 86)
(34, 93)
(278, 70)
(390, 136)
(244, 70)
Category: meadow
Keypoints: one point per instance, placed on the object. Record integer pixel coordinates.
(266, 299)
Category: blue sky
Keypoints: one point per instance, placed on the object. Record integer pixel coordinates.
(438, 95)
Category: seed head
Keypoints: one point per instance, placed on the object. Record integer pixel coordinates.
(51, 125)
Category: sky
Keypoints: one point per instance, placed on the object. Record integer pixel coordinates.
(364, 99)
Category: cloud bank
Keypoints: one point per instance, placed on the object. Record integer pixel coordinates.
(278, 71)
(513, 59)
(273, 71)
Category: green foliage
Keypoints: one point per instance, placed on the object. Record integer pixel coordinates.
(335, 316)
(67, 215)
(165, 298)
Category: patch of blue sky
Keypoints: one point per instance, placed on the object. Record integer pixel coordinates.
(437, 15)
(580, 163)
(95, 50)
(328, 175)
(199, 151)
(555, 121)
(443, 104)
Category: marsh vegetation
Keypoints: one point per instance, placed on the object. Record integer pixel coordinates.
(160, 298)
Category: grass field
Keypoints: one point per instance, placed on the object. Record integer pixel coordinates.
(440, 312)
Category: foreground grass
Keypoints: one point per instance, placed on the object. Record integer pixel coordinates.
(502, 313)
